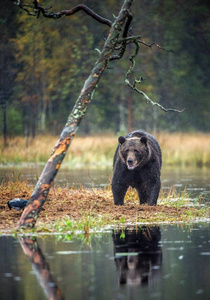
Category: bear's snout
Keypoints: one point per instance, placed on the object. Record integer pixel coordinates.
(131, 163)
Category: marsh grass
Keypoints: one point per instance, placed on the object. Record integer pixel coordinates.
(178, 149)
(185, 149)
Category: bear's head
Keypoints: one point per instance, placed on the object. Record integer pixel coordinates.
(133, 151)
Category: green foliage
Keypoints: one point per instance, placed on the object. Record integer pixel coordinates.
(15, 121)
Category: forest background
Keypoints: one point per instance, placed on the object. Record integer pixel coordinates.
(44, 63)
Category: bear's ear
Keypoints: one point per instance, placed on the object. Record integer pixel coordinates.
(121, 139)
(144, 140)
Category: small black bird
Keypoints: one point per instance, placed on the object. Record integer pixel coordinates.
(17, 203)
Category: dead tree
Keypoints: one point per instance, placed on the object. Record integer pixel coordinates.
(118, 38)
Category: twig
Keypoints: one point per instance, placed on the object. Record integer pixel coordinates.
(133, 86)
(23, 7)
(39, 9)
(158, 46)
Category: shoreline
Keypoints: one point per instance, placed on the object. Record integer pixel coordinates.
(80, 209)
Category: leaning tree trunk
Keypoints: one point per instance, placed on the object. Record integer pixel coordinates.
(39, 196)
(41, 267)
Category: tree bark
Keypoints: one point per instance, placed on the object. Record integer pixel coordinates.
(39, 196)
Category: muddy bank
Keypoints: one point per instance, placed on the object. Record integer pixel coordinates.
(79, 205)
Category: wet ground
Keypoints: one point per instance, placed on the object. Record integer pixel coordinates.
(77, 201)
(77, 204)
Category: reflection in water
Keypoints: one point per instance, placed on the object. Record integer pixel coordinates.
(138, 254)
(41, 268)
(91, 273)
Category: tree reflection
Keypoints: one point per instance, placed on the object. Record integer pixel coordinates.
(41, 267)
(138, 254)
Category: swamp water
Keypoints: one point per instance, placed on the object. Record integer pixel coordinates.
(164, 262)
(195, 181)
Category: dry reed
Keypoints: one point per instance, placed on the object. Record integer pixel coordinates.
(178, 149)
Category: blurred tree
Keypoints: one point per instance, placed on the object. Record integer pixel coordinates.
(62, 55)
(6, 63)
(178, 79)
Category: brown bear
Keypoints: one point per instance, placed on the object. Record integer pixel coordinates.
(137, 163)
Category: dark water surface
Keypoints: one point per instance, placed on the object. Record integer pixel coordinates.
(196, 181)
(166, 262)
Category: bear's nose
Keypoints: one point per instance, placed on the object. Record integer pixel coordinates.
(130, 161)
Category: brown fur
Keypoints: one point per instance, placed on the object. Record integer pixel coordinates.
(137, 163)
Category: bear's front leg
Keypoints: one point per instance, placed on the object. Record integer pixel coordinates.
(153, 191)
(119, 192)
(148, 192)
(153, 195)
(142, 193)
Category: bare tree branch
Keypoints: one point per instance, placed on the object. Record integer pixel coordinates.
(23, 7)
(124, 41)
(37, 9)
(133, 86)
(158, 46)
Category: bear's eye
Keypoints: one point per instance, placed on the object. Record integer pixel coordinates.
(135, 150)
